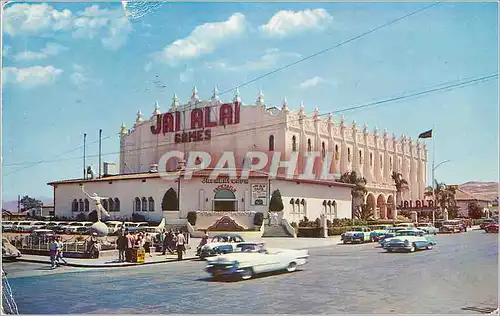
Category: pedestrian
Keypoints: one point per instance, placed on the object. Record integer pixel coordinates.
(147, 244)
(121, 244)
(53, 252)
(180, 244)
(59, 251)
(93, 246)
(129, 246)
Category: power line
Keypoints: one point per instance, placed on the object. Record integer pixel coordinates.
(442, 87)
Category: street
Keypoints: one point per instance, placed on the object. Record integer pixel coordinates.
(460, 275)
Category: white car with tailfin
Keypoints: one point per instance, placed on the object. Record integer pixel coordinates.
(250, 259)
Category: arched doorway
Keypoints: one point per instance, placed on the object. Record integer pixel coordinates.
(224, 200)
(381, 206)
(390, 207)
(170, 201)
(371, 202)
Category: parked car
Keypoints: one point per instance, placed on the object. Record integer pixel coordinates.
(113, 226)
(485, 222)
(9, 252)
(219, 244)
(428, 228)
(406, 225)
(380, 232)
(452, 226)
(403, 232)
(491, 228)
(41, 235)
(7, 226)
(409, 243)
(255, 259)
(357, 234)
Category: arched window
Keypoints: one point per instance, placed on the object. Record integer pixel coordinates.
(224, 200)
(80, 205)
(151, 202)
(334, 206)
(137, 204)
(371, 159)
(323, 150)
(304, 208)
(105, 205)
(349, 154)
(111, 205)
(309, 146)
(74, 206)
(144, 204)
(86, 203)
(336, 152)
(360, 157)
(381, 162)
(271, 143)
(117, 204)
(294, 143)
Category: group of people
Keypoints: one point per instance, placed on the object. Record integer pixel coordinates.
(56, 251)
(174, 242)
(127, 241)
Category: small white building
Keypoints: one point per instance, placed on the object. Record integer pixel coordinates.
(154, 197)
(463, 200)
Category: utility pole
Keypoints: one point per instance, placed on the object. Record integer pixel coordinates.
(18, 204)
(100, 136)
(84, 147)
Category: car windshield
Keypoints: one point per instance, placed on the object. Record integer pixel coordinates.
(250, 248)
(406, 233)
(228, 238)
(357, 229)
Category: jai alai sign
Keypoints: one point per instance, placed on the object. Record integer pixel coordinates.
(416, 204)
(200, 122)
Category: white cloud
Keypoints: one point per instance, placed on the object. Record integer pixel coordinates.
(202, 40)
(269, 60)
(285, 23)
(31, 77)
(82, 77)
(312, 82)
(186, 75)
(50, 49)
(42, 19)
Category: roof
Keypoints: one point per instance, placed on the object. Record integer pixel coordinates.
(461, 195)
(201, 173)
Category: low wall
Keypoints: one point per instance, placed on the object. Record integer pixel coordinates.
(207, 219)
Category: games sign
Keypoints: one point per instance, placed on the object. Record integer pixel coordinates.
(416, 204)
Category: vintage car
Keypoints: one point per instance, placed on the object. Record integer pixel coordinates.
(428, 228)
(408, 243)
(452, 226)
(485, 222)
(491, 228)
(251, 259)
(9, 252)
(402, 232)
(380, 232)
(406, 225)
(390, 233)
(357, 234)
(219, 244)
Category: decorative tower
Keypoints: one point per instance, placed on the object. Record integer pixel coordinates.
(123, 134)
(194, 96)
(156, 110)
(215, 95)
(237, 98)
(260, 99)
(175, 103)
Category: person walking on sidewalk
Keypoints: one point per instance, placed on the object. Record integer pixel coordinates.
(53, 252)
(121, 244)
(147, 244)
(59, 251)
(180, 244)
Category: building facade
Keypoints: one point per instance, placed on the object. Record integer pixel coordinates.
(213, 126)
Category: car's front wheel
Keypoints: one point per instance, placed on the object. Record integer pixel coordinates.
(429, 247)
(412, 249)
(247, 274)
(292, 266)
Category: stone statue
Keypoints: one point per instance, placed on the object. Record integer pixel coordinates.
(98, 206)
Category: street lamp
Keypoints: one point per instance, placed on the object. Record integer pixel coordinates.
(434, 167)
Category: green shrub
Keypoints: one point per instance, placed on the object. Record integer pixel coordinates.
(311, 232)
(258, 219)
(191, 217)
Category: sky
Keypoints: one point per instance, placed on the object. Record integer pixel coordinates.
(75, 68)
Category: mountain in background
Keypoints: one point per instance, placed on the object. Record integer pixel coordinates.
(486, 190)
(12, 205)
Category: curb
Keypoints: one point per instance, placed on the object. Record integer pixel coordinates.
(130, 264)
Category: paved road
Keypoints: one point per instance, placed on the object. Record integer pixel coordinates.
(461, 271)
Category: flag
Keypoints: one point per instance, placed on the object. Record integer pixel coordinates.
(427, 134)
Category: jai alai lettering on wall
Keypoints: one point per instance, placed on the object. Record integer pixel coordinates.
(201, 121)
(259, 194)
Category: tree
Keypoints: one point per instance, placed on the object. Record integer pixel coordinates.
(363, 212)
(276, 203)
(30, 203)
(359, 191)
(475, 211)
(444, 195)
(400, 183)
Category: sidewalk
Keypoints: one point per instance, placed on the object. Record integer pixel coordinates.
(111, 262)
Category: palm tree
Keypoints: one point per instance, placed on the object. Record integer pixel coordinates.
(399, 182)
(444, 195)
(364, 212)
(359, 191)
(429, 192)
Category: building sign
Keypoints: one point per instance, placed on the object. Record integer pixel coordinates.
(259, 194)
(221, 180)
(198, 123)
(416, 204)
(224, 187)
